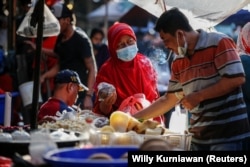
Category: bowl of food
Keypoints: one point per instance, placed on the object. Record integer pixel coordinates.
(18, 140)
(108, 156)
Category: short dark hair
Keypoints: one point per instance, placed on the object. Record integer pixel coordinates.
(61, 10)
(96, 31)
(172, 20)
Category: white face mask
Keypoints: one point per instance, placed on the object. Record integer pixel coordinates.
(182, 50)
(128, 53)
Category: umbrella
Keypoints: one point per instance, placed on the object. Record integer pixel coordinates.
(112, 10)
(142, 17)
(239, 18)
(201, 14)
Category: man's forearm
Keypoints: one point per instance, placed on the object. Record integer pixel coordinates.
(159, 107)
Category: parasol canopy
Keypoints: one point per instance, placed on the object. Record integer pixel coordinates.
(112, 10)
(142, 17)
(240, 18)
(201, 14)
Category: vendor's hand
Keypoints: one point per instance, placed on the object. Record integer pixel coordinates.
(190, 101)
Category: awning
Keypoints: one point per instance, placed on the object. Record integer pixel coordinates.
(112, 10)
(201, 14)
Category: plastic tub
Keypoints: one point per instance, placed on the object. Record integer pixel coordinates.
(2, 105)
(79, 157)
(26, 91)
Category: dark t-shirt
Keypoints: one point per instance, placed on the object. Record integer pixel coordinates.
(72, 53)
(102, 55)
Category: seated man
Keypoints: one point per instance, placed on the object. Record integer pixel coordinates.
(67, 86)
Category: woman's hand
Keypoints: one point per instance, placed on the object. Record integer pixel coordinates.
(106, 104)
(110, 100)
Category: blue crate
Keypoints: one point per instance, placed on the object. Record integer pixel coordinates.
(2, 104)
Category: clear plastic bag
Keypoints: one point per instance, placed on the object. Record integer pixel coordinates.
(104, 90)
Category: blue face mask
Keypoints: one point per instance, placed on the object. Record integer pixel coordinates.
(128, 53)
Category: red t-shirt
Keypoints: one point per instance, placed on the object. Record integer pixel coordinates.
(51, 107)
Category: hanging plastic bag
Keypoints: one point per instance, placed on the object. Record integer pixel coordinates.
(134, 103)
(51, 26)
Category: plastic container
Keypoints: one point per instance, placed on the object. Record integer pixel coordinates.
(2, 105)
(5, 162)
(79, 157)
(179, 142)
(26, 91)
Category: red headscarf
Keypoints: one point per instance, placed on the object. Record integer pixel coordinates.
(129, 78)
(243, 41)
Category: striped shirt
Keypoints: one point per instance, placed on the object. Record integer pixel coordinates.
(218, 120)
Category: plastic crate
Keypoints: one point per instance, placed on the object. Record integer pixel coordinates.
(2, 105)
(179, 142)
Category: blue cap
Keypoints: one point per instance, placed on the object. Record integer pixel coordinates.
(67, 76)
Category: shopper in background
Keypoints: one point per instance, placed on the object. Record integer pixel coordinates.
(74, 51)
(243, 46)
(67, 86)
(100, 48)
(127, 70)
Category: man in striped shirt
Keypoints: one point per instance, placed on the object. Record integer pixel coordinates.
(206, 79)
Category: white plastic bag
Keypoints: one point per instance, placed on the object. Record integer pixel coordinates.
(179, 120)
(51, 26)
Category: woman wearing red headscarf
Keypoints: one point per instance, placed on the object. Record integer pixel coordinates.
(127, 70)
